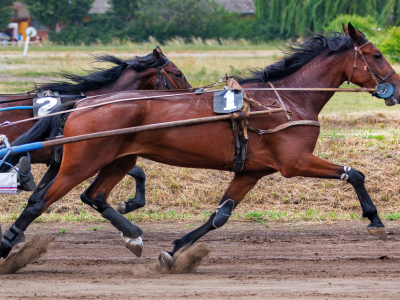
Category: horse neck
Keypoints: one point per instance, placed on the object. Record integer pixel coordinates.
(321, 72)
(129, 80)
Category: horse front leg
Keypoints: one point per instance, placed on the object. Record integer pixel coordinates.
(240, 185)
(37, 204)
(50, 174)
(139, 200)
(312, 166)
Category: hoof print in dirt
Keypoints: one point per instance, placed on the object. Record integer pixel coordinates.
(184, 261)
(379, 232)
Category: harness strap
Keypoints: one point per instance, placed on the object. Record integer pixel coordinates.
(233, 84)
(281, 102)
(241, 138)
(169, 79)
(388, 75)
(358, 50)
(286, 125)
(354, 67)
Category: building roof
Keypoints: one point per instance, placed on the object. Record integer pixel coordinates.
(99, 7)
(238, 6)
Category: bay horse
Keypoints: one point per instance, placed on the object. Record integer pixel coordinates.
(140, 73)
(321, 61)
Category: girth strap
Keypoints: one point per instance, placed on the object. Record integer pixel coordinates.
(286, 125)
(241, 139)
(241, 143)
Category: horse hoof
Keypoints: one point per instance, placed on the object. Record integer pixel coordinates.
(21, 240)
(134, 245)
(121, 208)
(166, 261)
(379, 232)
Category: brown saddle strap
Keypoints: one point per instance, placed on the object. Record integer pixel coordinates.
(286, 125)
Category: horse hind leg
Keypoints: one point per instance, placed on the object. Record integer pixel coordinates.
(139, 200)
(96, 196)
(240, 185)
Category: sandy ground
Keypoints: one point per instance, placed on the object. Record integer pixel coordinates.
(247, 261)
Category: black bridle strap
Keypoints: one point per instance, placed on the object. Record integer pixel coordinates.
(384, 79)
(374, 75)
(160, 72)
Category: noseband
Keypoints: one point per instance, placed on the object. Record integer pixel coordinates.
(162, 72)
(384, 90)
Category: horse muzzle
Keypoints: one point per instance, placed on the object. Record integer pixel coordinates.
(385, 91)
(391, 101)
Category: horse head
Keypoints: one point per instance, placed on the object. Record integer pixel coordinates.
(169, 76)
(369, 68)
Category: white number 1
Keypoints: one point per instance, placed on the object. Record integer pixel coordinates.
(230, 100)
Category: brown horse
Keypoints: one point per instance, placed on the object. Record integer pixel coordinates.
(321, 61)
(153, 71)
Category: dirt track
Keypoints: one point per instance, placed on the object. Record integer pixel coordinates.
(247, 260)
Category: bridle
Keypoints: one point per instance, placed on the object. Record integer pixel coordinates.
(384, 90)
(161, 72)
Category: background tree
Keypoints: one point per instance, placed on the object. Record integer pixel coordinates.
(165, 19)
(5, 13)
(125, 10)
(296, 17)
(51, 12)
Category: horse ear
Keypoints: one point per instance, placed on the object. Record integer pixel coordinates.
(354, 33)
(159, 50)
(156, 54)
(345, 29)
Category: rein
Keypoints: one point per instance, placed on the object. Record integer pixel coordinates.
(185, 94)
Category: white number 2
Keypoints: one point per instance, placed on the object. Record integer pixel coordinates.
(230, 100)
(45, 109)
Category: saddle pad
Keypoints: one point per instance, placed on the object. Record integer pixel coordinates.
(228, 101)
(9, 183)
(45, 104)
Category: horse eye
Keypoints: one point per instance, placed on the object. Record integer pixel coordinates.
(179, 75)
(377, 56)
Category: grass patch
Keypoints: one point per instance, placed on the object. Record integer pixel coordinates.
(392, 216)
(261, 217)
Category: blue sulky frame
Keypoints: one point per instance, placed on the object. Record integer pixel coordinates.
(15, 108)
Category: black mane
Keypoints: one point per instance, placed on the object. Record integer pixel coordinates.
(100, 77)
(299, 54)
